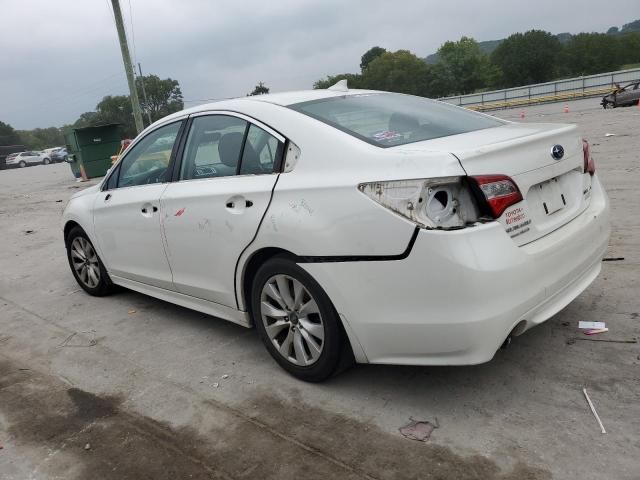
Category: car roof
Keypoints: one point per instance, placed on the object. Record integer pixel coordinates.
(282, 99)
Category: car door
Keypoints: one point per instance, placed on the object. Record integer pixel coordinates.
(213, 210)
(32, 158)
(127, 210)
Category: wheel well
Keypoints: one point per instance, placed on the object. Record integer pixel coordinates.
(251, 267)
(68, 227)
(256, 260)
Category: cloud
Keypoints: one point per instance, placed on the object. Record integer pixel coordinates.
(60, 58)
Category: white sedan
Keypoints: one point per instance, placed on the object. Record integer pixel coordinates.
(24, 159)
(349, 225)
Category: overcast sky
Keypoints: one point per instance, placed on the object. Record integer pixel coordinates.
(59, 58)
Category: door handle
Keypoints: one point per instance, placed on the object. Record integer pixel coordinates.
(107, 197)
(248, 203)
(146, 210)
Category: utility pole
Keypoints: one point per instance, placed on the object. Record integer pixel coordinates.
(128, 68)
(144, 93)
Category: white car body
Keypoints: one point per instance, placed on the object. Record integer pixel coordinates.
(49, 151)
(405, 294)
(28, 158)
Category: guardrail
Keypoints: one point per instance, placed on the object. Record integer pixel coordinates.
(557, 91)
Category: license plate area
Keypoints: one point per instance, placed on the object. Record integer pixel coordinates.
(552, 197)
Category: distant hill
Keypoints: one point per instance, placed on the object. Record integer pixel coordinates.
(489, 46)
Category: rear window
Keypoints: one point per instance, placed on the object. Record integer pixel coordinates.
(390, 119)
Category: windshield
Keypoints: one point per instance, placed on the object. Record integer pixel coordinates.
(390, 119)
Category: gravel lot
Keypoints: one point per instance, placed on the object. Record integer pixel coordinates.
(129, 387)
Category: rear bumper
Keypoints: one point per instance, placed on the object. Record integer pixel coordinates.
(459, 294)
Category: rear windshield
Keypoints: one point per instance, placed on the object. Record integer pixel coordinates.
(390, 119)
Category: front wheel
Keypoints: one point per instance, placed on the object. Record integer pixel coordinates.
(86, 266)
(46, 161)
(296, 320)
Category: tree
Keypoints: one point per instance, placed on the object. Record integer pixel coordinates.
(164, 96)
(463, 65)
(629, 45)
(631, 27)
(399, 71)
(116, 109)
(8, 136)
(588, 53)
(259, 89)
(86, 119)
(526, 58)
(354, 80)
(369, 56)
(41, 138)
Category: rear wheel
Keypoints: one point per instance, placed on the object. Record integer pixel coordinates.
(86, 266)
(296, 320)
(22, 164)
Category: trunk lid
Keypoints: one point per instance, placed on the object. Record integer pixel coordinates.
(554, 190)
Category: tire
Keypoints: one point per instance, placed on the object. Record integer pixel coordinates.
(22, 164)
(298, 335)
(86, 266)
(46, 161)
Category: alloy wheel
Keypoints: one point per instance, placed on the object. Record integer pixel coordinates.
(292, 320)
(85, 262)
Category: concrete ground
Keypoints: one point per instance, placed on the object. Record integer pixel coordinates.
(129, 387)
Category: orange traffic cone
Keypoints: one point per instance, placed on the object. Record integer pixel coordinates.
(522, 114)
(566, 108)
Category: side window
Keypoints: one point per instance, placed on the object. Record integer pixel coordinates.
(261, 151)
(113, 179)
(148, 161)
(213, 147)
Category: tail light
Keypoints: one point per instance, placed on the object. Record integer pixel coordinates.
(589, 164)
(499, 191)
(443, 203)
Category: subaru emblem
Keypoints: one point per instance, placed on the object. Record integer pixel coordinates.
(557, 152)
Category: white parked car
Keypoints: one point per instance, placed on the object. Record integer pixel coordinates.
(349, 224)
(24, 159)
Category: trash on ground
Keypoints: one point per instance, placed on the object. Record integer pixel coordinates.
(613, 259)
(595, 331)
(58, 201)
(28, 232)
(610, 135)
(215, 385)
(225, 376)
(591, 325)
(131, 312)
(593, 410)
(418, 430)
(87, 446)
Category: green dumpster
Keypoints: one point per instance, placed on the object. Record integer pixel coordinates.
(91, 148)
